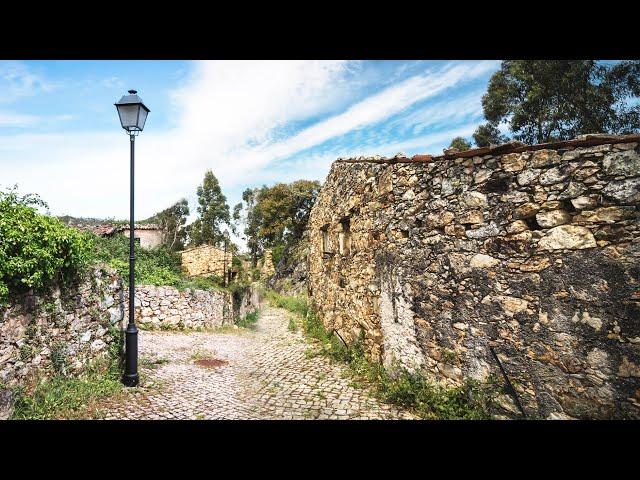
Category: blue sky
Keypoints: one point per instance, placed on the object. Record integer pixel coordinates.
(251, 122)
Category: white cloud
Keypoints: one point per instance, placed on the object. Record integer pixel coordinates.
(232, 117)
(19, 120)
(12, 119)
(17, 80)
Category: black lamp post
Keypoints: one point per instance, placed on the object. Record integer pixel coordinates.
(133, 114)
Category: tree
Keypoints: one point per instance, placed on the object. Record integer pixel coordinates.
(277, 216)
(213, 212)
(460, 143)
(488, 134)
(172, 221)
(548, 100)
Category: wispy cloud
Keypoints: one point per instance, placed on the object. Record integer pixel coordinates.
(17, 80)
(252, 123)
(19, 120)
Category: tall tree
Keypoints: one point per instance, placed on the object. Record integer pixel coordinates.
(213, 213)
(547, 100)
(488, 134)
(277, 216)
(173, 220)
(460, 143)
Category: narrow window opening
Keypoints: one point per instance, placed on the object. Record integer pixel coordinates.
(325, 239)
(345, 236)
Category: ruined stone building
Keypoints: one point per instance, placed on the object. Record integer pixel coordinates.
(528, 252)
(206, 261)
(147, 235)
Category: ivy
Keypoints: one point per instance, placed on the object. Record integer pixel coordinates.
(36, 250)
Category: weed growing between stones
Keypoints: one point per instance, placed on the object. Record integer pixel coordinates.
(71, 397)
(293, 326)
(63, 397)
(249, 320)
(152, 363)
(472, 401)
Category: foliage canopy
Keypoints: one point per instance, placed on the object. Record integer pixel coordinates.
(550, 100)
(36, 250)
(277, 216)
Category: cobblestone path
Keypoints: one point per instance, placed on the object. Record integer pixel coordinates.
(268, 374)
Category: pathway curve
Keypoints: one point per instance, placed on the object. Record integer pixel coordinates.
(268, 374)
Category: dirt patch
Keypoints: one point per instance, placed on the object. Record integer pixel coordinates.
(210, 362)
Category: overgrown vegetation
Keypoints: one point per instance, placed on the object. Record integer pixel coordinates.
(64, 396)
(36, 250)
(413, 391)
(249, 320)
(68, 397)
(156, 266)
(293, 326)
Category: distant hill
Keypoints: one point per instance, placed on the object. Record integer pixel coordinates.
(88, 221)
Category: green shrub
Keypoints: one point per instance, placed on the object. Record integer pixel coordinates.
(293, 326)
(36, 250)
(293, 304)
(276, 254)
(249, 319)
(155, 266)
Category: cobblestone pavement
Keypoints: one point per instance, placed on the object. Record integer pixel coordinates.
(269, 375)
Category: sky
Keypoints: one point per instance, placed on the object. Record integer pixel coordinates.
(252, 123)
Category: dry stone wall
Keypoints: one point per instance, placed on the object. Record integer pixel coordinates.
(60, 333)
(205, 261)
(532, 252)
(167, 308)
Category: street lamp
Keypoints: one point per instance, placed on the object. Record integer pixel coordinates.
(133, 114)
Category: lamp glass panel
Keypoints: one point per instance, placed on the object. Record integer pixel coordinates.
(143, 118)
(128, 115)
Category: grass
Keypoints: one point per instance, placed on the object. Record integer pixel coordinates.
(152, 363)
(293, 326)
(63, 397)
(472, 400)
(199, 355)
(249, 320)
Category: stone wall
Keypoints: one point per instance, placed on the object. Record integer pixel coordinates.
(59, 333)
(290, 276)
(249, 301)
(266, 267)
(205, 261)
(532, 251)
(168, 308)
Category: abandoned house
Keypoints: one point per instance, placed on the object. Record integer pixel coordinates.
(147, 235)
